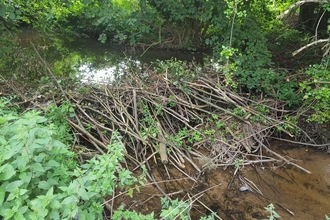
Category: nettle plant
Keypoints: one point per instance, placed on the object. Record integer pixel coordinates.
(40, 177)
(317, 91)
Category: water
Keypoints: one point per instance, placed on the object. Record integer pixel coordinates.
(296, 194)
(102, 62)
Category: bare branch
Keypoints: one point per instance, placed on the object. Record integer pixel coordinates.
(296, 5)
(309, 45)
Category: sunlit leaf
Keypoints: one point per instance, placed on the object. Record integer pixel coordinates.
(7, 171)
(130, 192)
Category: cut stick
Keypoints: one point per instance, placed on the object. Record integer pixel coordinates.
(162, 146)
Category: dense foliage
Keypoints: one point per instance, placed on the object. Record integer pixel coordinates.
(40, 176)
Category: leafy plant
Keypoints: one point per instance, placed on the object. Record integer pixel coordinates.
(120, 214)
(56, 116)
(317, 91)
(172, 102)
(327, 217)
(237, 163)
(148, 121)
(40, 177)
(179, 137)
(172, 209)
(240, 112)
(271, 210)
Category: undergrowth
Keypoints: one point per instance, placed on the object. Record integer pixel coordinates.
(40, 177)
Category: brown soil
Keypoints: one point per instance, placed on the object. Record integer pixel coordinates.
(295, 194)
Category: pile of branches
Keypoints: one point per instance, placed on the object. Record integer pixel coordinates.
(168, 119)
(200, 122)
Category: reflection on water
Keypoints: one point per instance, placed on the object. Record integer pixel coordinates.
(96, 62)
(112, 61)
(105, 75)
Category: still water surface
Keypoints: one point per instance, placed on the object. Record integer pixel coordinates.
(101, 62)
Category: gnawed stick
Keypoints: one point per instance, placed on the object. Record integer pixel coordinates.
(162, 146)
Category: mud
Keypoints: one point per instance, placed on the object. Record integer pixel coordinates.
(294, 193)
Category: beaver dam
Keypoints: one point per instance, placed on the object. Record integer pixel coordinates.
(199, 140)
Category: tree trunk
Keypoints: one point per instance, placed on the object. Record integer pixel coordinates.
(312, 17)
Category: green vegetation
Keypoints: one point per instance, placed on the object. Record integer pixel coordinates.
(271, 210)
(40, 176)
(317, 91)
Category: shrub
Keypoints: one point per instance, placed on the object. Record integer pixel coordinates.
(317, 91)
(39, 175)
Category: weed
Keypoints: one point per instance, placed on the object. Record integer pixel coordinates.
(172, 209)
(172, 102)
(220, 124)
(238, 163)
(209, 132)
(240, 112)
(40, 177)
(271, 210)
(150, 126)
(197, 136)
(177, 139)
(317, 91)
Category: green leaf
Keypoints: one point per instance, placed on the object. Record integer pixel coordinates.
(52, 163)
(50, 192)
(43, 141)
(37, 167)
(52, 182)
(54, 214)
(2, 196)
(35, 146)
(44, 185)
(137, 188)
(84, 194)
(22, 210)
(40, 157)
(2, 13)
(69, 200)
(7, 213)
(14, 185)
(23, 191)
(40, 119)
(55, 204)
(6, 172)
(276, 215)
(58, 144)
(130, 192)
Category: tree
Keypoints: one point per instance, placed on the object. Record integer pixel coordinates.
(188, 21)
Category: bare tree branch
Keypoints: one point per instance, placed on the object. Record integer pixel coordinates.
(296, 5)
(308, 45)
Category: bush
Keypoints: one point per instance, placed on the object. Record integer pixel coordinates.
(40, 177)
(317, 91)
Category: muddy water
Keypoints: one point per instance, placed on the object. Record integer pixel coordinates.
(296, 194)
